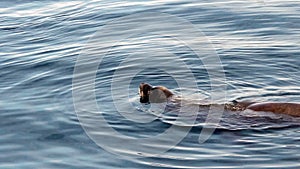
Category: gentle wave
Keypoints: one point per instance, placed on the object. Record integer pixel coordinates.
(258, 45)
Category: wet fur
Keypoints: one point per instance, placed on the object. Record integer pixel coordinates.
(159, 94)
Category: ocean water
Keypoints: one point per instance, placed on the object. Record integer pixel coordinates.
(70, 71)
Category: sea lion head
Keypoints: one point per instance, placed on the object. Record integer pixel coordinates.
(144, 92)
(150, 94)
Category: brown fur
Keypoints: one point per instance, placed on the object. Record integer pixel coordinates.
(150, 94)
(159, 94)
(292, 109)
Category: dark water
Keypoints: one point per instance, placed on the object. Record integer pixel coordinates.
(257, 43)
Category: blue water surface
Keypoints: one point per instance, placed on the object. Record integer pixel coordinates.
(257, 42)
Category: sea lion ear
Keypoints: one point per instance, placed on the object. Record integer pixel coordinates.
(157, 96)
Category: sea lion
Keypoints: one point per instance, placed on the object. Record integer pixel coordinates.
(159, 94)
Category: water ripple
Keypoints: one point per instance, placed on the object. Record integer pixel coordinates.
(257, 42)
